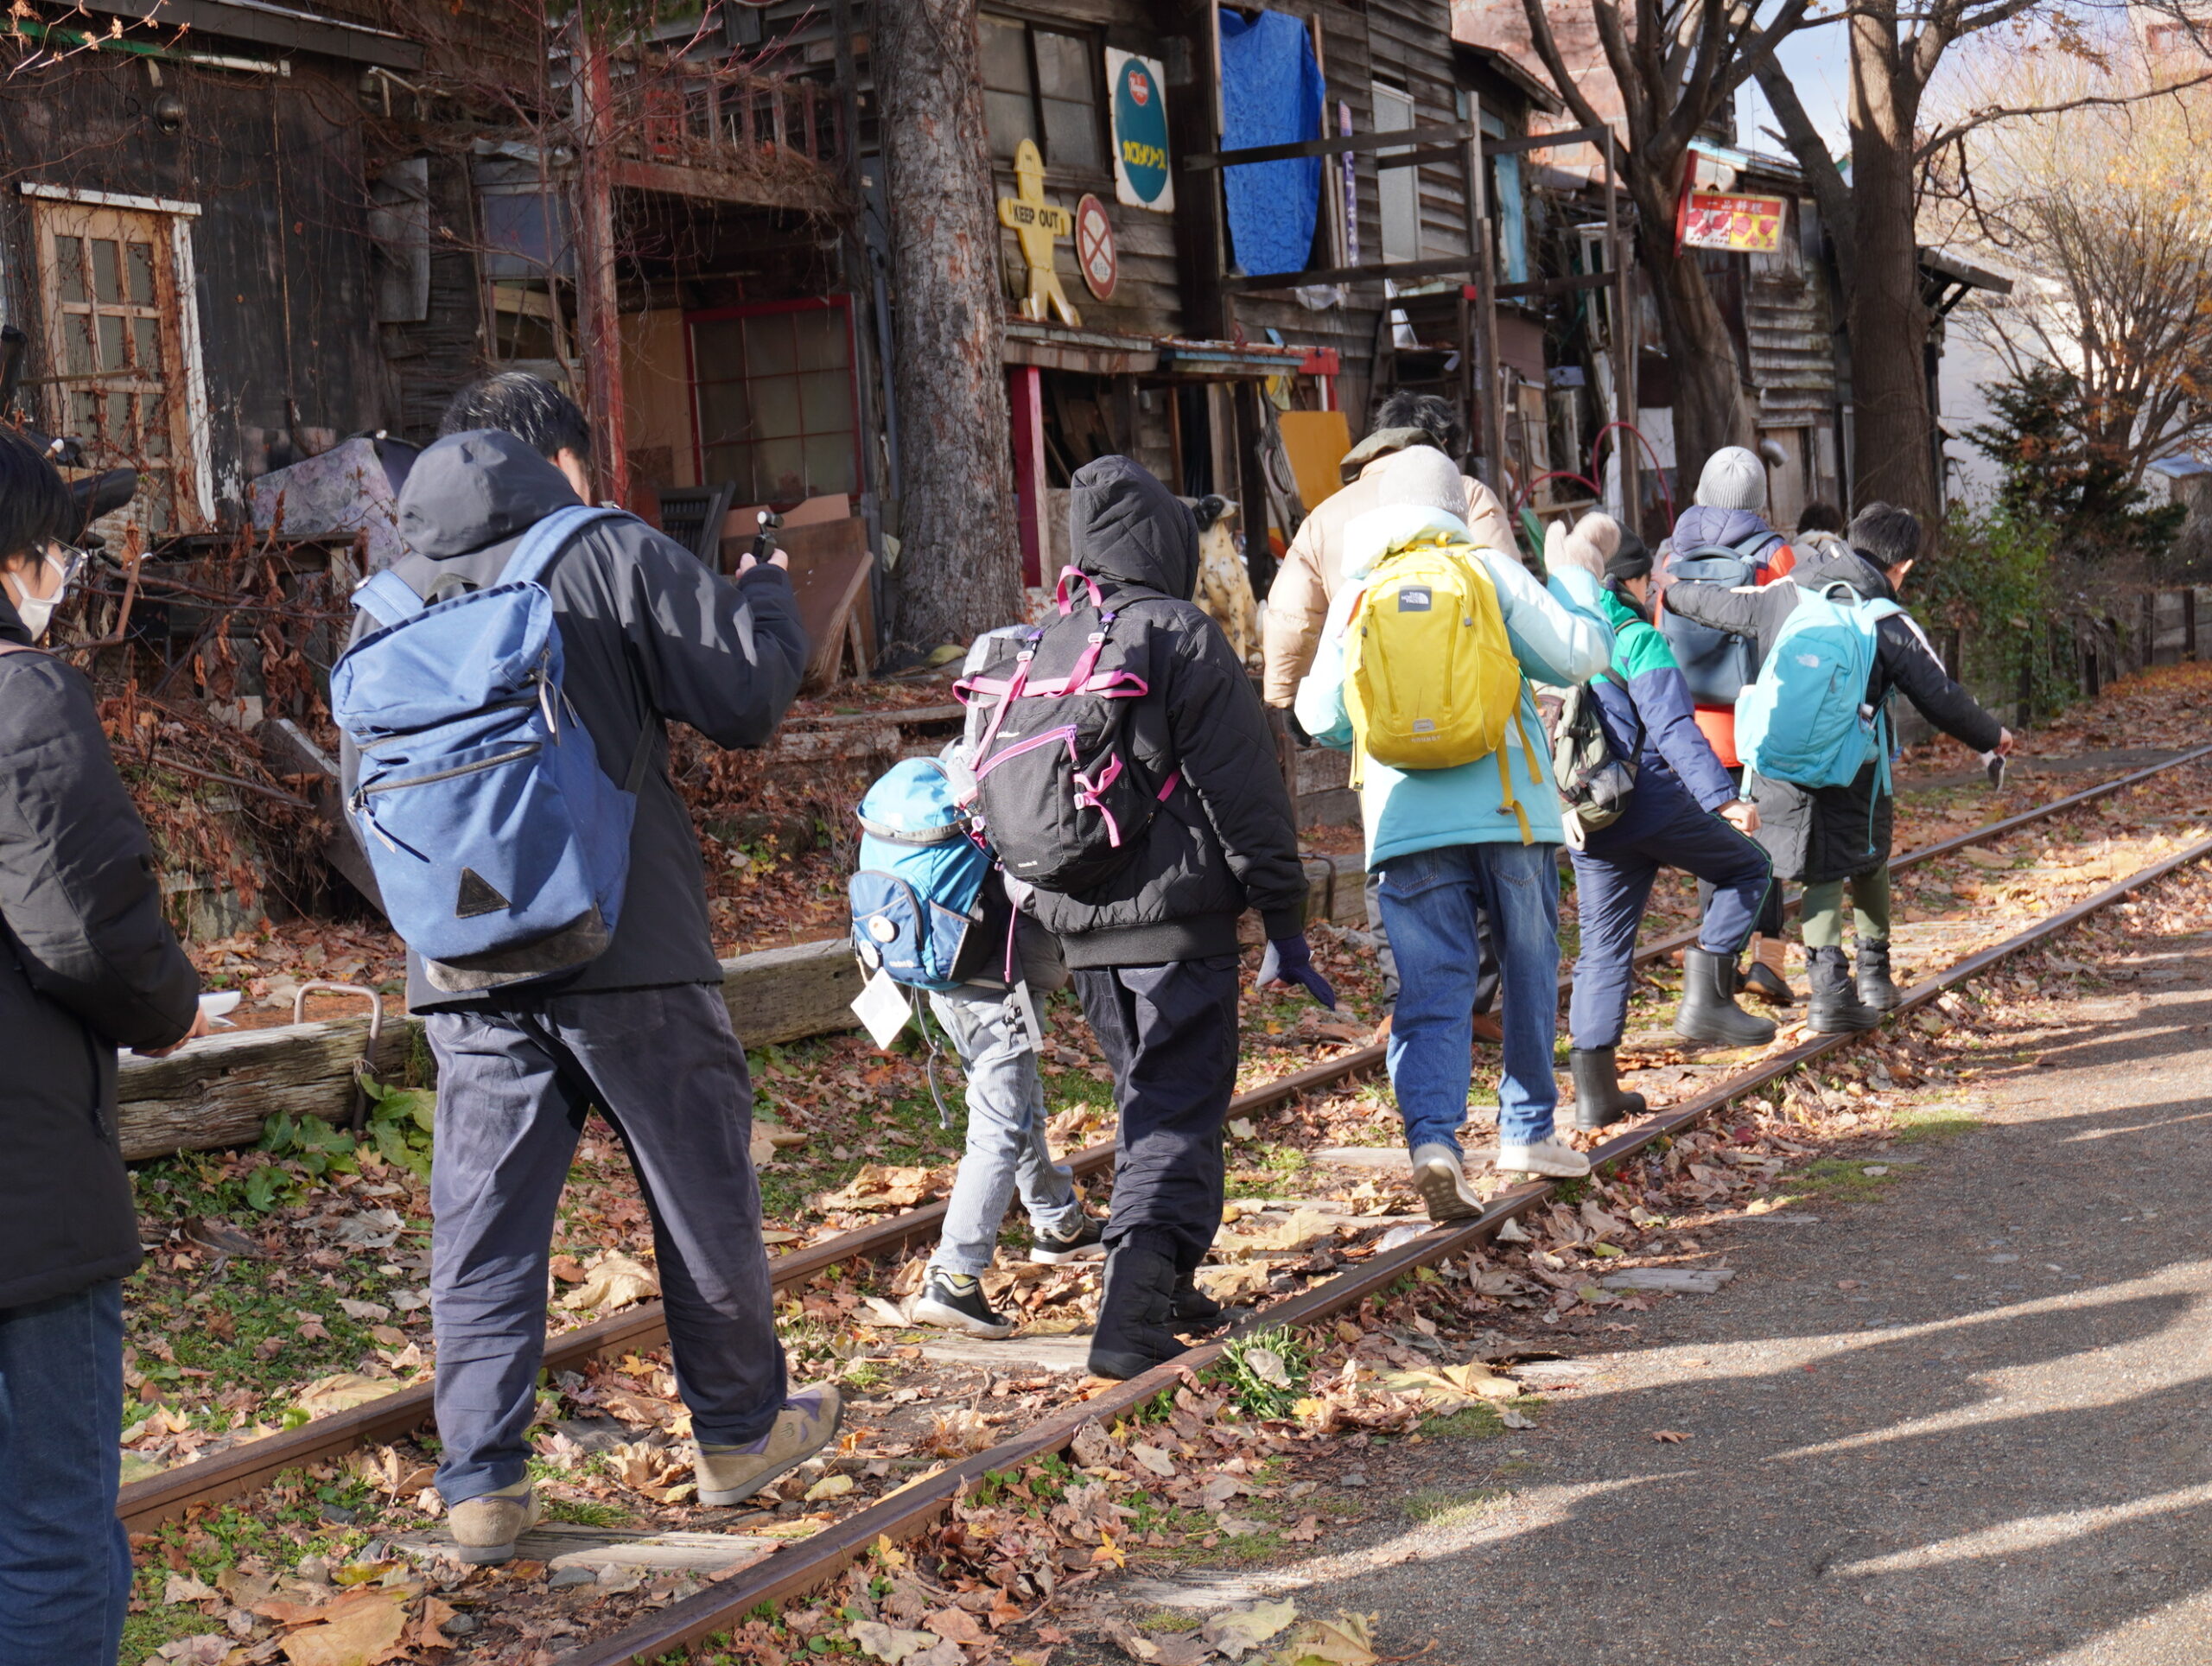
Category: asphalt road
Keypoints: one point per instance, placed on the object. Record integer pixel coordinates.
(1993, 1448)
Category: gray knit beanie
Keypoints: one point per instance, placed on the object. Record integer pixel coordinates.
(1733, 479)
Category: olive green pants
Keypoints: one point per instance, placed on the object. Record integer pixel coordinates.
(1822, 910)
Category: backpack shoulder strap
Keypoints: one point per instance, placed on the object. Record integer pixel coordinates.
(549, 538)
(24, 647)
(387, 598)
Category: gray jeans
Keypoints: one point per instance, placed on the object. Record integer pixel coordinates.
(514, 1085)
(1006, 1149)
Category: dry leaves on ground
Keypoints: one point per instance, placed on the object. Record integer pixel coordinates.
(612, 1280)
(881, 1186)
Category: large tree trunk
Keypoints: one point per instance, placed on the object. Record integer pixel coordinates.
(960, 563)
(1710, 408)
(1892, 428)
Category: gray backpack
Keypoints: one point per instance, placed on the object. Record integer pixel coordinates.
(1594, 781)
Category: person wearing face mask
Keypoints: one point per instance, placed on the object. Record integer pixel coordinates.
(88, 965)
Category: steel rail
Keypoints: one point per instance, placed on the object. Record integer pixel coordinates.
(144, 1504)
(792, 1570)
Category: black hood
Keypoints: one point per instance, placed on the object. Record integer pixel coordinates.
(476, 488)
(1839, 564)
(1124, 525)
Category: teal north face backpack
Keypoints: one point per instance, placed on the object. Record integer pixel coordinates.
(1804, 719)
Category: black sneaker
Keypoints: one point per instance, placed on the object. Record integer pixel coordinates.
(1086, 1243)
(953, 1302)
(1192, 1306)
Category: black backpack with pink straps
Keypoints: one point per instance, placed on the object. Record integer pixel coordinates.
(1060, 793)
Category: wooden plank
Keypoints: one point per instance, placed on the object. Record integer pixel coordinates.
(830, 564)
(1388, 140)
(1375, 270)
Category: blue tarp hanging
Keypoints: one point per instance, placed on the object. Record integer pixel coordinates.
(1271, 93)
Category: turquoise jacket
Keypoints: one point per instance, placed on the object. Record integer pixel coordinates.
(1560, 635)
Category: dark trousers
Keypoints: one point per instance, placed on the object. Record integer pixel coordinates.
(1769, 923)
(1485, 953)
(1169, 1033)
(664, 1067)
(1612, 887)
(65, 1561)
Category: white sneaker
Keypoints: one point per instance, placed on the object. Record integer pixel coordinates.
(1554, 1157)
(1440, 1177)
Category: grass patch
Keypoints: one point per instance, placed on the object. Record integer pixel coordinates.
(1451, 1507)
(1482, 1421)
(584, 1512)
(1842, 1178)
(1936, 1122)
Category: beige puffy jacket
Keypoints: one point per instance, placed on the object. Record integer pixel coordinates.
(1299, 601)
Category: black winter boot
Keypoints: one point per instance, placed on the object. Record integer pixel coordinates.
(1835, 1006)
(1134, 1311)
(1192, 1307)
(1875, 989)
(1709, 1012)
(1599, 1101)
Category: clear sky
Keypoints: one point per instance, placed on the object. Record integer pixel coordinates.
(1815, 59)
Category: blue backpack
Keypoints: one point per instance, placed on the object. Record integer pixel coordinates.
(500, 845)
(1715, 665)
(1805, 719)
(923, 900)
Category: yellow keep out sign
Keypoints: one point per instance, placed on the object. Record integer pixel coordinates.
(1037, 225)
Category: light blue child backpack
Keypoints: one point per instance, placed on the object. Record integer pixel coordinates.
(925, 907)
(1804, 719)
(500, 845)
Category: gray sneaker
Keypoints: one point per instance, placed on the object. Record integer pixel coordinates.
(485, 1528)
(730, 1475)
(1440, 1177)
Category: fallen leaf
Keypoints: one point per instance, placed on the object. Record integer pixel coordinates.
(1237, 1282)
(184, 1587)
(889, 1641)
(612, 1280)
(1347, 1640)
(881, 1186)
(365, 1632)
(353, 1309)
(1267, 1364)
(567, 1268)
(1303, 1228)
(1239, 1127)
(955, 1625)
(830, 1487)
(341, 1392)
(1236, 1630)
(208, 1649)
(1152, 1458)
(1669, 1437)
(1515, 1420)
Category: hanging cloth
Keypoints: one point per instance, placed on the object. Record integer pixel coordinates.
(1271, 93)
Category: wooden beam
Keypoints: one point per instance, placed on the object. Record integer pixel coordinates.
(1391, 140)
(1403, 270)
(1544, 141)
(1557, 285)
(704, 185)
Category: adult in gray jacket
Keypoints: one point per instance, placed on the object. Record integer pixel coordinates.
(649, 635)
(86, 965)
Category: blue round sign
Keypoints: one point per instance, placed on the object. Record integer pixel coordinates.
(1140, 130)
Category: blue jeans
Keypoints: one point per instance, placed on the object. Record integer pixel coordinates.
(1005, 1132)
(1432, 900)
(65, 1561)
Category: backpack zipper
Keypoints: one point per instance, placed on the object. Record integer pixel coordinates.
(507, 757)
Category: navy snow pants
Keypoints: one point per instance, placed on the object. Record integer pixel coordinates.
(1169, 1035)
(1613, 885)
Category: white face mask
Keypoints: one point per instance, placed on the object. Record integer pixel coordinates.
(37, 612)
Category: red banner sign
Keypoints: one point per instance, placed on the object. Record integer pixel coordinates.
(1747, 224)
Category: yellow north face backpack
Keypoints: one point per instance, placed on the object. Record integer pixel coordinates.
(1430, 678)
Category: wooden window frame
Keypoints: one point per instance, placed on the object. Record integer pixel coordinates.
(184, 377)
(836, 303)
(1093, 57)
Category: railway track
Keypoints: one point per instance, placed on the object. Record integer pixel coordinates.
(794, 1570)
(146, 1503)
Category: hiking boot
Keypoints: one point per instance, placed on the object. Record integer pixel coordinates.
(954, 1301)
(1488, 1028)
(1192, 1307)
(1382, 1035)
(1440, 1177)
(1769, 985)
(808, 1422)
(1599, 1101)
(1086, 1243)
(1552, 1158)
(1835, 1008)
(1709, 1012)
(1134, 1311)
(485, 1528)
(1875, 989)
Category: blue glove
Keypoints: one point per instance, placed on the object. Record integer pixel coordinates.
(1289, 961)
